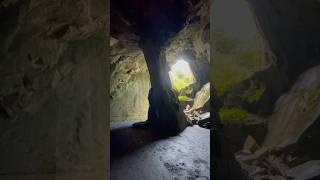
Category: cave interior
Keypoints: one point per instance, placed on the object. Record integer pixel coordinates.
(67, 67)
(159, 78)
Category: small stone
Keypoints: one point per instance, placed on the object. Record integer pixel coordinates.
(250, 145)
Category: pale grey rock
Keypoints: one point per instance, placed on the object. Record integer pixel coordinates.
(305, 171)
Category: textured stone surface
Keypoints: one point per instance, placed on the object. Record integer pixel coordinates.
(53, 98)
(295, 111)
(192, 42)
(281, 95)
(132, 103)
(130, 83)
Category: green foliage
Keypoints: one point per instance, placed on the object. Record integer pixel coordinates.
(184, 98)
(233, 62)
(233, 115)
(181, 81)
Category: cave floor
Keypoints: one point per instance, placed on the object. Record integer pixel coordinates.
(138, 154)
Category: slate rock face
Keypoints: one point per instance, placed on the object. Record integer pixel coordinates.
(52, 88)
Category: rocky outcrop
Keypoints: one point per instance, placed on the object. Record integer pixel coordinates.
(239, 54)
(295, 112)
(273, 98)
(251, 91)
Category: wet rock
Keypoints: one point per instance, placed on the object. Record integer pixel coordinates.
(201, 98)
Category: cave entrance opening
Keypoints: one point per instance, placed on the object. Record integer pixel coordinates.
(181, 77)
(192, 96)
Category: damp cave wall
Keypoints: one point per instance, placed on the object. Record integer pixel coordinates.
(290, 42)
(53, 93)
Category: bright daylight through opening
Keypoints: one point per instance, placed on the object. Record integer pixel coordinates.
(181, 75)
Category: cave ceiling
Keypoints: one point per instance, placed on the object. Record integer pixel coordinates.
(135, 20)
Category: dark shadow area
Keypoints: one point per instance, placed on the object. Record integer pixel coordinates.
(125, 139)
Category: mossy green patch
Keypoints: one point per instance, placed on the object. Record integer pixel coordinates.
(233, 61)
(184, 98)
(254, 92)
(233, 115)
(181, 75)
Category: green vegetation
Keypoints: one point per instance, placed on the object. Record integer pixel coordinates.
(181, 81)
(233, 115)
(254, 93)
(184, 98)
(181, 75)
(233, 61)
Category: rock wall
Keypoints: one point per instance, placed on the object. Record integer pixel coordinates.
(129, 82)
(192, 42)
(53, 96)
(291, 53)
(277, 103)
(239, 53)
(257, 61)
(131, 103)
(295, 112)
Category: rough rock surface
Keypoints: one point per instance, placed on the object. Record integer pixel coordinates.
(129, 81)
(192, 42)
(296, 110)
(52, 89)
(130, 84)
(294, 113)
(277, 95)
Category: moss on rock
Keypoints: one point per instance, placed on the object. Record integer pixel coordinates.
(254, 93)
(233, 61)
(233, 115)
